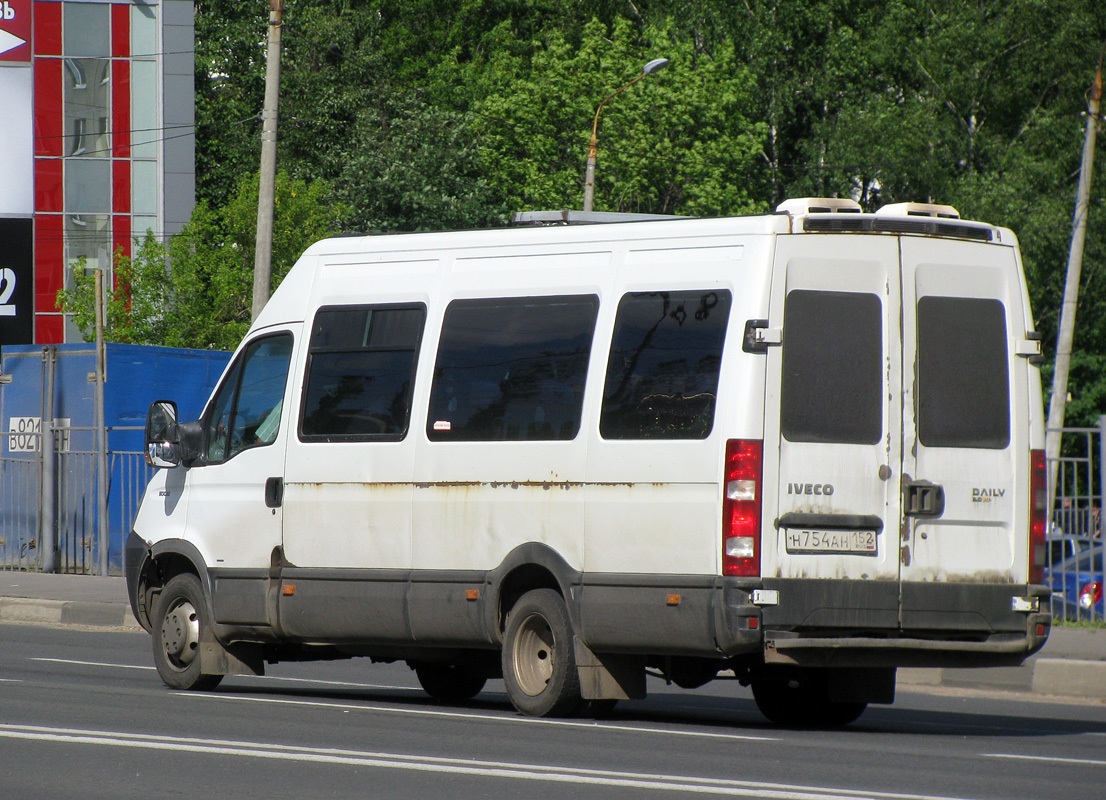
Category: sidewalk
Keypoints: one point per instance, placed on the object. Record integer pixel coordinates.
(1072, 663)
(65, 599)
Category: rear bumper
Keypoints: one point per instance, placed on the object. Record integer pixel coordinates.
(814, 622)
(870, 623)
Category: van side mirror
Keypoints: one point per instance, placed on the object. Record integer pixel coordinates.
(162, 446)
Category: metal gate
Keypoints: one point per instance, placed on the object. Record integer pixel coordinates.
(1075, 546)
(56, 526)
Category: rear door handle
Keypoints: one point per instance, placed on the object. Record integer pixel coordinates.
(274, 492)
(923, 499)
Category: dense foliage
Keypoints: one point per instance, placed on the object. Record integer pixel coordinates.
(433, 114)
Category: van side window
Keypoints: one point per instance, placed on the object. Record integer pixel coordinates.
(963, 373)
(662, 375)
(361, 372)
(247, 407)
(832, 387)
(512, 369)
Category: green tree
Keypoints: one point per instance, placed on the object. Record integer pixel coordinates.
(677, 142)
(135, 303)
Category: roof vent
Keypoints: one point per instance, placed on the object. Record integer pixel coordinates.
(818, 205)
(918, 210)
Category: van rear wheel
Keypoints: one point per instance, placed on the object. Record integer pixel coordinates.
(450, 683)
(180, 623)
(801, 701)
(539, 660)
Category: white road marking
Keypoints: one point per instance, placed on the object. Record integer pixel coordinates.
(489, 769)
(254, 677)
(89, 663)
(486, 717)
(1094, 762)
(420, 711)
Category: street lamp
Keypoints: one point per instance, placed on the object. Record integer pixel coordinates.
(656, 65)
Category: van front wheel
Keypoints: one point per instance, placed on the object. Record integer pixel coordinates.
(539, 661)
(179, 623)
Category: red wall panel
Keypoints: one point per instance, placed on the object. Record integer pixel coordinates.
(121, 30)
(49, 185)
(47, 29)
(121, 225)
(49, 107)
(121, 108)
(49, 329)
(49, 261)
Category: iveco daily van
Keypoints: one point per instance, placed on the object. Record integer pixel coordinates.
(799, 449)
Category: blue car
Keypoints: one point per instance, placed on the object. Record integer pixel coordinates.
(1077, 586)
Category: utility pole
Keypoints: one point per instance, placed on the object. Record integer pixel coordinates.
(263, 252)
(103, 528)
(1058, 401)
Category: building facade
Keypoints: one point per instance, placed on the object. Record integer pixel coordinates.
(97, 145)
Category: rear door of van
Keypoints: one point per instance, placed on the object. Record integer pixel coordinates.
(966, 463)
(900, 470)
(833, 405)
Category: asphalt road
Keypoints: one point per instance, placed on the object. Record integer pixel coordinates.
(83, 714)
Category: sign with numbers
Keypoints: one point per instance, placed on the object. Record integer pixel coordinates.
(16, 279)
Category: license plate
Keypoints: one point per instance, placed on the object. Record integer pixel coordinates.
(799, 541)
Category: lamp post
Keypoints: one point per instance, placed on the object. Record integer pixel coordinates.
(656, 65)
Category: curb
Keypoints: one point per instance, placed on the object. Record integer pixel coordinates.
(1070, 676)
(66, 612)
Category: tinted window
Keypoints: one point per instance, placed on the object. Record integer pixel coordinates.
(963, 378)
(361, 372)
(832, 367)
(247, 408)
(662, 375)
(511, 369)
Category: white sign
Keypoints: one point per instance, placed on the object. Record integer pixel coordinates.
(24, 433)
(17, 143)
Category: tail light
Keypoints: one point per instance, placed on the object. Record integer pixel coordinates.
(1038, 515)
(741, 508)
(1089, 595)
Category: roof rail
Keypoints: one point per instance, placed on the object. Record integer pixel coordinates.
(569, 217)
(798, 206)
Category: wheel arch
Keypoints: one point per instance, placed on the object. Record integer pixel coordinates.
(529, 566)
(165, 560)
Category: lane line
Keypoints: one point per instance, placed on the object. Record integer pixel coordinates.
(89, 663)
(251, 677)
(483, 717)
(419, 711)
(1093, 762)
(489, 769)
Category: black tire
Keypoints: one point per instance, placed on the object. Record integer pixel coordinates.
(180, 622)
(450, 683)
(801, 702)
(539, 658)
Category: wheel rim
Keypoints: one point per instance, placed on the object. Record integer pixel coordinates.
(534, 654)
(180, 634)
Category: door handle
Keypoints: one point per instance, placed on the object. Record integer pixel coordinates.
(923, 499)
(274, 492)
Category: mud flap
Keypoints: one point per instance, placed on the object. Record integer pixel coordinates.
(609, 677)
(236, 659)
